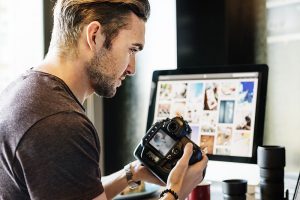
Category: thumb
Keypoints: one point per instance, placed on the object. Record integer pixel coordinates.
(183, 162)
(177, 174)
(187, 153)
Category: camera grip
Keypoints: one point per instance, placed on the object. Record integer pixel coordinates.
(196, 156)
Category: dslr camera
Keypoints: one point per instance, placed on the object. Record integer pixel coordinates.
(163, 145)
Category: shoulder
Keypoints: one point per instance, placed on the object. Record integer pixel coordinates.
(67, 130)
(59, 156)
(64, 123)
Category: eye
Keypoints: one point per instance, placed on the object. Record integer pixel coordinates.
(133, 51)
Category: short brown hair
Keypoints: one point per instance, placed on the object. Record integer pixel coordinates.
(71, 15)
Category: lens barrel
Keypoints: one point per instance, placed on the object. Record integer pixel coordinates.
(271, 160)
(234, 189)
(172, 127)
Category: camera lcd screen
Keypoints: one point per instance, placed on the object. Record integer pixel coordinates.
(162, 142)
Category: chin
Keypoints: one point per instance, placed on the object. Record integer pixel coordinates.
(111, 94)
(108, 93)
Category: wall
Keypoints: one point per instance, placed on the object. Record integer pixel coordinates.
(21, 38)
(220, 32)
(283, 108)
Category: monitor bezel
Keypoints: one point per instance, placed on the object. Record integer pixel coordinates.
(262, 71)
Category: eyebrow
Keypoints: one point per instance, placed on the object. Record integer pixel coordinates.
(139, 45)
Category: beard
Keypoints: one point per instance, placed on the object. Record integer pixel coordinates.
(103, 82)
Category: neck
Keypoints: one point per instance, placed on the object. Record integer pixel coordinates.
(71, 71)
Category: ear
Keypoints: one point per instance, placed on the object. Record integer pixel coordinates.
(94, 36)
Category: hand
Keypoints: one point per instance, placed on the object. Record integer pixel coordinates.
(141, 173)
(184, 177)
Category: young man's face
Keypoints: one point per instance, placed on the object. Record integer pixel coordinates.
(109, 67)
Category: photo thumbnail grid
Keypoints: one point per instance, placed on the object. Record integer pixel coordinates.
(220, 112)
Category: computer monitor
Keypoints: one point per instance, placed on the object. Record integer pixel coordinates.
(224, 105)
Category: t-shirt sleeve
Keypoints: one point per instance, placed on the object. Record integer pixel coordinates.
(59, 158)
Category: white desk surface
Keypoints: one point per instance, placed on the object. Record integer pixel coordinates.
(216, 189)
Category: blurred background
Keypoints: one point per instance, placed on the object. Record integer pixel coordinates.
(179, 34)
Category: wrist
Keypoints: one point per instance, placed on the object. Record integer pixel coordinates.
(136, 171)
(168, 194)
(176, 188)
(131, 176)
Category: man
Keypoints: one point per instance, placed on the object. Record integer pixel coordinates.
(49, 148)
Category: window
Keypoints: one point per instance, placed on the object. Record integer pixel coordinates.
(21, 38)
(283, 47)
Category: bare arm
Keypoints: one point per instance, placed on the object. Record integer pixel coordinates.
(117, 182)
(114, 183)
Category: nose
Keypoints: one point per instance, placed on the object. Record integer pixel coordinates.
(131, 66)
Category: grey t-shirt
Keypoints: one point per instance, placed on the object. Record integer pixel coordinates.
(48, 147)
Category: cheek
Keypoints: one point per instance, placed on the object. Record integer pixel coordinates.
(123, 63)
(119, 59)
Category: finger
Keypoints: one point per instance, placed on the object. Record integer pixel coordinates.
(204, 159)
(198, 169)
(178, 173)
(183, 163)
(187, 153)
(203, 162)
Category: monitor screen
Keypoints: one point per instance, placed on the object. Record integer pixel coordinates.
(224, 106)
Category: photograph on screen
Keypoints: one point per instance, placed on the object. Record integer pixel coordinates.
(207, 143)
(246, 92)
(223, 151)
(195, 134)
(226, 112)
(211, 96)
(224, 136)
(164, 110)
(228, 89)
(195, 92)
(178, 108)
(193, 113)
(165, 91)
(243, 120)
(208, 122)
(179, 90)
(241, 143)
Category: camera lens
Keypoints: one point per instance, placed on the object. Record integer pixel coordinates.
(271, 160)
(172, 127)
(234, 189)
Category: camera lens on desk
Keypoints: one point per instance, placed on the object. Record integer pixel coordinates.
(271, 160)
(234, 189)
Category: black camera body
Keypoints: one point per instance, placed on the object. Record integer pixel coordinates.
(163, 146)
